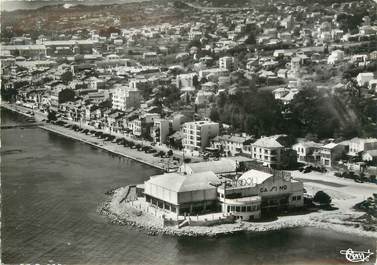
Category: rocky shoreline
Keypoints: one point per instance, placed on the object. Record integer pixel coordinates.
(132, 217)
(338, 221)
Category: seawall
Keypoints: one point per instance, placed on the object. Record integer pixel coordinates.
(143, 158)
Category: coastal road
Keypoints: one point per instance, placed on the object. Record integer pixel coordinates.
(344, 192)
(161, 163)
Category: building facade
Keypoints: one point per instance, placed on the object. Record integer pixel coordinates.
(125, 98)
(359, 145)
(330, 153)
(306, 151)
(247, 198)
(227, 63)
(197, 134)
(160, 130)
(267, 150)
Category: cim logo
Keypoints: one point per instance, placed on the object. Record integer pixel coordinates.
(356, 256)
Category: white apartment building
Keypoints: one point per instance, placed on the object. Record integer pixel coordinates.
(233, 144)
(335, 57)
(186, 80)
(364, 78)
(141, 126)
(125, 97)
(227, 63)
(359, 145)
(160, 130)
(267, 150)
(197, 134)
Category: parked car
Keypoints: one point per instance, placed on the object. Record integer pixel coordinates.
(145, 148)
(307, 169)
(358, 180)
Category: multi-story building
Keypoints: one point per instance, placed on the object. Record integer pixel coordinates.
(197, 134)
(186, 80)
(233, 144)
(160, 130)
(68, 47)
(26, 51)
(364, 78)
(227, 63)
(335, 57)
(268, 150)
(253, 194)
(330, 153)
(125, 98)
(141, 126)
(307, 151)
(359, 145)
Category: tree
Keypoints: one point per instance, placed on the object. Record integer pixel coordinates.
(322, 198)
(194, 43)
(51, 116)
(66, 77)
(214, 115)
(8, 93)
(170, 152)
(251, 38)
(246, 111)
(315, 112)
(107, 31)
(105, 104)
(66, 95)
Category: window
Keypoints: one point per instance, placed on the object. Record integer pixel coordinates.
(232, 208)
(298, 198)
(248, 208)
(237, 209)
(293, 198)
(228, 208)
(243, 209)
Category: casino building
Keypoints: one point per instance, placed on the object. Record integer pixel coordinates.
(260, 192)
(248, 197)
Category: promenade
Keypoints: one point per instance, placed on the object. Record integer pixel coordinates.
(140, 156)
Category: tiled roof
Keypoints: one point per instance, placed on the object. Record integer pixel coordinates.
(268, 142)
